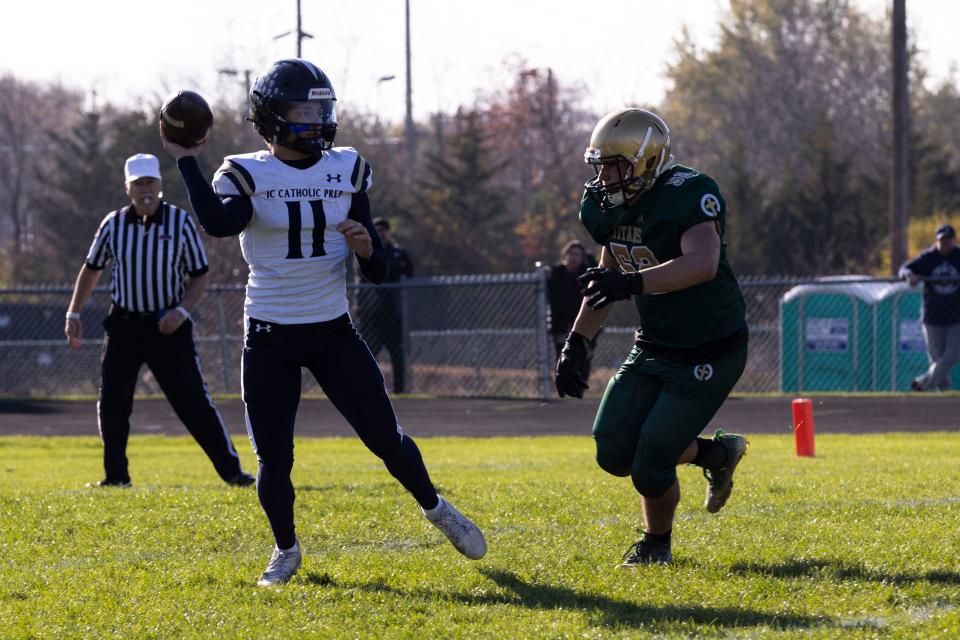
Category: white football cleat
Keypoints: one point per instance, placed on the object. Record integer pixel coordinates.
(283, 565)
(465, 536)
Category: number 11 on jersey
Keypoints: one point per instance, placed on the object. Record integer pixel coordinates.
(296, 226)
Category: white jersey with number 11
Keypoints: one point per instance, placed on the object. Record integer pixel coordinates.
(296, 255)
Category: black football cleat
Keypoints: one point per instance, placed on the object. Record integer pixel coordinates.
(645, 551)
(720, 479)
(242, 479)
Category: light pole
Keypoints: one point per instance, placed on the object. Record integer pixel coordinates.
(409, 134)
(380, 81)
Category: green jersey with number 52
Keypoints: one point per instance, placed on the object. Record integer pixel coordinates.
(648, 233)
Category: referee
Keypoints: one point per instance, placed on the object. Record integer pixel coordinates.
(159, 272)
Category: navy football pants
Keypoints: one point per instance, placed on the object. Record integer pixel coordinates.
(349, 376)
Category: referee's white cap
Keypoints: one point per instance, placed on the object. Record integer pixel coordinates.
(141, 165)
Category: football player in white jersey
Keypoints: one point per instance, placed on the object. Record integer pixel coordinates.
(301, 208)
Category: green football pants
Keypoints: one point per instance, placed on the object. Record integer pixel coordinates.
(653, 410)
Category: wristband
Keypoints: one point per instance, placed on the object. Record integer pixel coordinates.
(73, 315)
(573, 337)
(636, 283)
(183, 312)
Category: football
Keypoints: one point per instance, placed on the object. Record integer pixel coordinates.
(186, 118)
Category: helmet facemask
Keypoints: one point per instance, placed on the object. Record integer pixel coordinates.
(313, 136)
(611, 195)
(308, 137)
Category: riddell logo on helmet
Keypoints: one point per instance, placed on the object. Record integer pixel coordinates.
(320, 93)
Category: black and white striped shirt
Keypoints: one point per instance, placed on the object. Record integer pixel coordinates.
(150, 257)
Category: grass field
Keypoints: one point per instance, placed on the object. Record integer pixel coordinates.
(860, 542)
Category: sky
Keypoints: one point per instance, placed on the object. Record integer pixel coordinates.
(134, 53)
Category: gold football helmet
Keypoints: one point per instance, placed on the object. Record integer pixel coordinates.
(640, 138)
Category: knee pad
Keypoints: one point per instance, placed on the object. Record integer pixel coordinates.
(650, 480)
(612, 459)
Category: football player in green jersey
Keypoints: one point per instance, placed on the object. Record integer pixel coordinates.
(661, 226)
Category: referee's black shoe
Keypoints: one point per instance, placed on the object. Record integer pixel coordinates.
(120, 484)
(242, 479)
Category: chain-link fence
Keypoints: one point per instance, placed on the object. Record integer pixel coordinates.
(488, 336)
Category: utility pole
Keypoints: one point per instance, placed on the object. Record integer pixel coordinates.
(229, 71)
(409, 134)
(300, 33)
(899, 179)
(236, 73)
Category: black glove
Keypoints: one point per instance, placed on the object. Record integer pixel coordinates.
(603, 285)
(571, 365)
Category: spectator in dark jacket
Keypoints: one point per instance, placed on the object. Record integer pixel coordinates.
(381, 308)
(565, 298)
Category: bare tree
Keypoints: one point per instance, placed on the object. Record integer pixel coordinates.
(28, 111)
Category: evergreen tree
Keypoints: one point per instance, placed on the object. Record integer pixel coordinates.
(462, 223)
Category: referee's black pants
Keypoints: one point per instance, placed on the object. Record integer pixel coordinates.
(339, 359)
(132, 341)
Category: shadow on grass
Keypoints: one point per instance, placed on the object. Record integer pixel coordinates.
(320, 579)
(610, 611)
(843, 571)
(370, 488)
(615, 612)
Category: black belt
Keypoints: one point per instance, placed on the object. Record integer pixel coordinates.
(125, 314)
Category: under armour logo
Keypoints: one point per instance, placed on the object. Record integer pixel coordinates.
(263, 327)
(703, 372)
(333, 177)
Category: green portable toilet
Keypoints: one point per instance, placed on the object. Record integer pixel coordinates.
(901, 348)
(828, 335)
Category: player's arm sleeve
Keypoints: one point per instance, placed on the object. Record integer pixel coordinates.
(919, 266)
(407, 265)
(374, 268)
(701, 201)
(99, 251)
(194, 257)
(220, 215)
